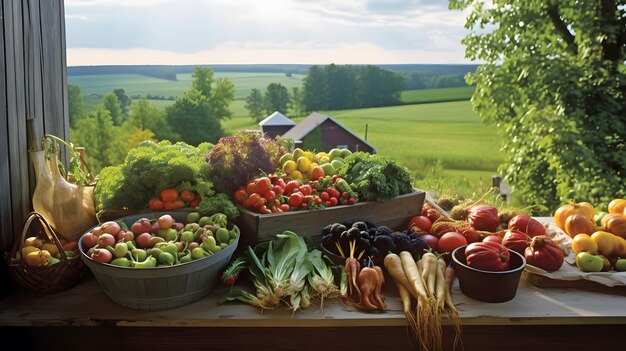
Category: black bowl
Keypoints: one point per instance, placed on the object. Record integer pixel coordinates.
(488, 286)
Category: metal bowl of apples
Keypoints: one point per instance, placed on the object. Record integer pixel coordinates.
(159, 260)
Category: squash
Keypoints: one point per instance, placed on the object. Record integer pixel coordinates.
(584, 208)
(579, 223)
(617, 206)
(615, 223)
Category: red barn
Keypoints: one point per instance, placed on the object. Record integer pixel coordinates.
(321, 132)
(276, 124)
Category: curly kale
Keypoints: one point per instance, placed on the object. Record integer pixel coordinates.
(236, 159)
(376, 178)
(152, 167)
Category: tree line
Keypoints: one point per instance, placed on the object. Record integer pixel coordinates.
(330, 87)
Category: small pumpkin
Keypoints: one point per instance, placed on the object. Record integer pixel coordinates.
(617, 206)
(579, 223)
(544, 253)
(561, 214)
(527, 224)
(483, 217)
(516, 240)
(615, 223)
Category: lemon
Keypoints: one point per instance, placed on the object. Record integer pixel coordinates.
(297, 175)
(289, 166)
(304, 164)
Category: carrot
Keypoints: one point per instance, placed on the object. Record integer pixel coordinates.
(368, 282)
(429, 274)
(394, 267)
(405, 297)
(352, 269)
(453, 313)
(412, 274)
(440, 287)
(378, 297)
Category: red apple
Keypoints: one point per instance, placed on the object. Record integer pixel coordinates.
(142, 225)
(111, 227)
(165, 221)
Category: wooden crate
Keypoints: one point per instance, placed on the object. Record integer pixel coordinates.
(394, 213)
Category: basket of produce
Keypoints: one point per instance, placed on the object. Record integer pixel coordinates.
(44, 263)
(159, 260)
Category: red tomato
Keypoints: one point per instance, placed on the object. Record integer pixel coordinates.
(240, 195)
(422, 222)
(250, 188)
(269, 195)
(284, 207)
(156, 204)
(431, 241)
(295, 200)
(450, 241)
(291, 186)
(187, 195)
(305, 189)
(493, 238)
(169, 194)
(262, 185)
(264, 210)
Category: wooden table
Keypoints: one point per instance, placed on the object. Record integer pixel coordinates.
(537, 318)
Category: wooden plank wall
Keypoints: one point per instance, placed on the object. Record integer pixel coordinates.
(33, 88)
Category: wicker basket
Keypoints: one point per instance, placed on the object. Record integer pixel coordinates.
(45, 279)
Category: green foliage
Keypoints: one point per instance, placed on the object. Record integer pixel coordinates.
(111, 103)
(123, 99)
(375, 177)
(196, 115)
(335, 87)
(142, 115)
(296, 102)
(254, 104)
(314, 141)
(75, 104)
(95, 134)
(152, 167)
(554, 84)
(276, 98)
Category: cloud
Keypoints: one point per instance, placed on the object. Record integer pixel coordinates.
(182, 29)
(267, 52)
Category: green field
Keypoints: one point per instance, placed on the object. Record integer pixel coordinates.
(436, 95)
(135, 84)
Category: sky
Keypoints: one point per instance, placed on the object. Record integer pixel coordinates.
(188, 32)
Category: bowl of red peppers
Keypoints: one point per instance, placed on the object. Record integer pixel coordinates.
(488, 271)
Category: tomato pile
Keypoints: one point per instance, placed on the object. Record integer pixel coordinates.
(170, 199)
(274, 194)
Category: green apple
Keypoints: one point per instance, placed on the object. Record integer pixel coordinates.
(587, 262)
(334, 153)
(324, 159)
(337, 163)
(345, 153)
(193, 217)
(620, 265)
(328, 169)
(598, 217)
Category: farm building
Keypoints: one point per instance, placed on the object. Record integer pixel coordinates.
(276, 124)
(315, 132)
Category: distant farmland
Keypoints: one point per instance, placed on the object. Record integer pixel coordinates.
(135, 84)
